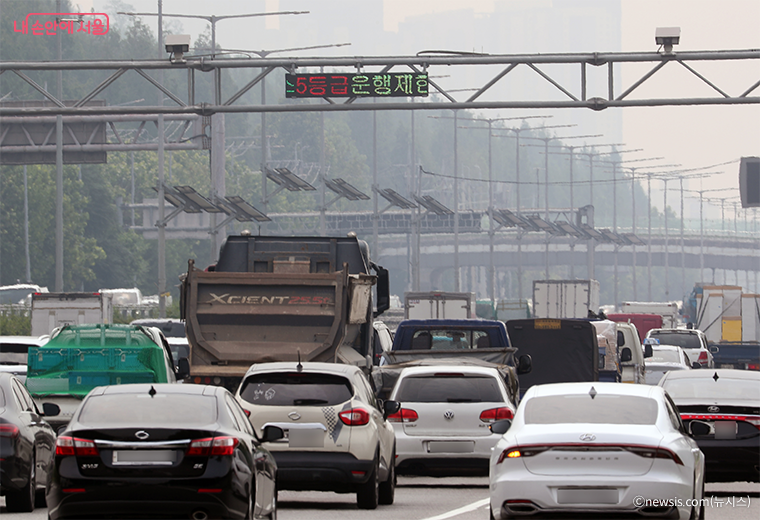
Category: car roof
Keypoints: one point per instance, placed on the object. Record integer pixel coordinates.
(166, 388)
(728, 373)
(585, 388)
(308, 366)
(677, 331)
(25, 340)
(464, 369)
(665, 347)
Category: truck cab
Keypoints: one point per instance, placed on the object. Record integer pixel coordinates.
(632, 354)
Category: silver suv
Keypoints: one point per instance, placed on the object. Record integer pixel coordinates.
(693, 341)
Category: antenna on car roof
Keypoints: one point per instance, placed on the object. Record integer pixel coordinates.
(592, 393)
(299, 366)
(152, 391)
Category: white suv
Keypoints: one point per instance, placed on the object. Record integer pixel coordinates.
(693, 341)
(337, 437)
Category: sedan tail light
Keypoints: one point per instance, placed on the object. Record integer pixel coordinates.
(211, 446)
(404, 415)
(649, 452)
(67, 446)
(516, 452)
(496, 414)
(354, 417)
(8, 430)
(654, 453)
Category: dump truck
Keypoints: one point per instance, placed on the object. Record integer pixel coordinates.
(271, 298)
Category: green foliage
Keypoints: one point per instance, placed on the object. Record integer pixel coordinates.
(15, 323)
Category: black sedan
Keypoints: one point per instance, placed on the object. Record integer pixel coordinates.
(721, 409)
(27, 443)
(162, 450)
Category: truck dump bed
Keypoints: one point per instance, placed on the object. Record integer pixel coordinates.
(271, 298)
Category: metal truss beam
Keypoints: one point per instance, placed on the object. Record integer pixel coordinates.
(574, 95)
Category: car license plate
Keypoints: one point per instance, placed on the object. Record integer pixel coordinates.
(144, 457)
(587, 496)
(725, 430)
(727, 365)
(451, 447)
(306, 438)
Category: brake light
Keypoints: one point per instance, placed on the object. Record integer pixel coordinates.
(8, 430)
(752, 419)
(211, 446)
(223, 445)
(753, 366)
(654, 453)
(496, 414)
(354, 417)
(404, 415)
(67, 446)
(702, 358)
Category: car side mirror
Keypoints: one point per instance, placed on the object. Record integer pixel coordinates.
(695, 364)
(183, 368)
(524, 364)
(697, 428)
(500, 427)
(50, 409)
(390, 407)
(648, 352)
(272, 433)
(626, 355)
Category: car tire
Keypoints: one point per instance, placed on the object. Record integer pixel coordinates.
(368, 495)
(22, 501)
(387, 491)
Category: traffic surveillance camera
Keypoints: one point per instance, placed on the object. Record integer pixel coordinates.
(177, 45)
(667, 37)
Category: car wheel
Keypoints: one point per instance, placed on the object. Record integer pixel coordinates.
(22, 501)
(369, 493)
(388, 488)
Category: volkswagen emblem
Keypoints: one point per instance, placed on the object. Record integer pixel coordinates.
(588, 437)
(713, 409)
(448, 415)
(294, 416)
(142, 435)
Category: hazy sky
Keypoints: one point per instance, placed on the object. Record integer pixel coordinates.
(690, 136)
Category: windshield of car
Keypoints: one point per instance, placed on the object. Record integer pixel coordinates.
(602, 409)
(146, 410)
(296, 389)
(444, 388)
(664, 356)
(722, 389)
(678, 339)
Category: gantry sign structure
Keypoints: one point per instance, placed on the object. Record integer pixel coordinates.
(573, 93)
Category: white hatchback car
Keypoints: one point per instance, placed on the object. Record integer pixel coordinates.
(596, 448)
(442, 426)
(336, 436)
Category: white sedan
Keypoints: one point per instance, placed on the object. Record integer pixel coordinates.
(442, 426)
(596, 448)
(664, 359)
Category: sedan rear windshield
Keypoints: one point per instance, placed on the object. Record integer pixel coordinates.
(678, 339)
(722, 389)
(142, 410)
(296, 389)
(602, 409)
(449, 389)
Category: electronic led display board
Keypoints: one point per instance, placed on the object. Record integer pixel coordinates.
(389, 84)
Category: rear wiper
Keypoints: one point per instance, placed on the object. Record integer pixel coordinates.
(297, 402)
(457, 400)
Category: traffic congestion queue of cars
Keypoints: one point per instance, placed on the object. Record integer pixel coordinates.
(567, 448)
